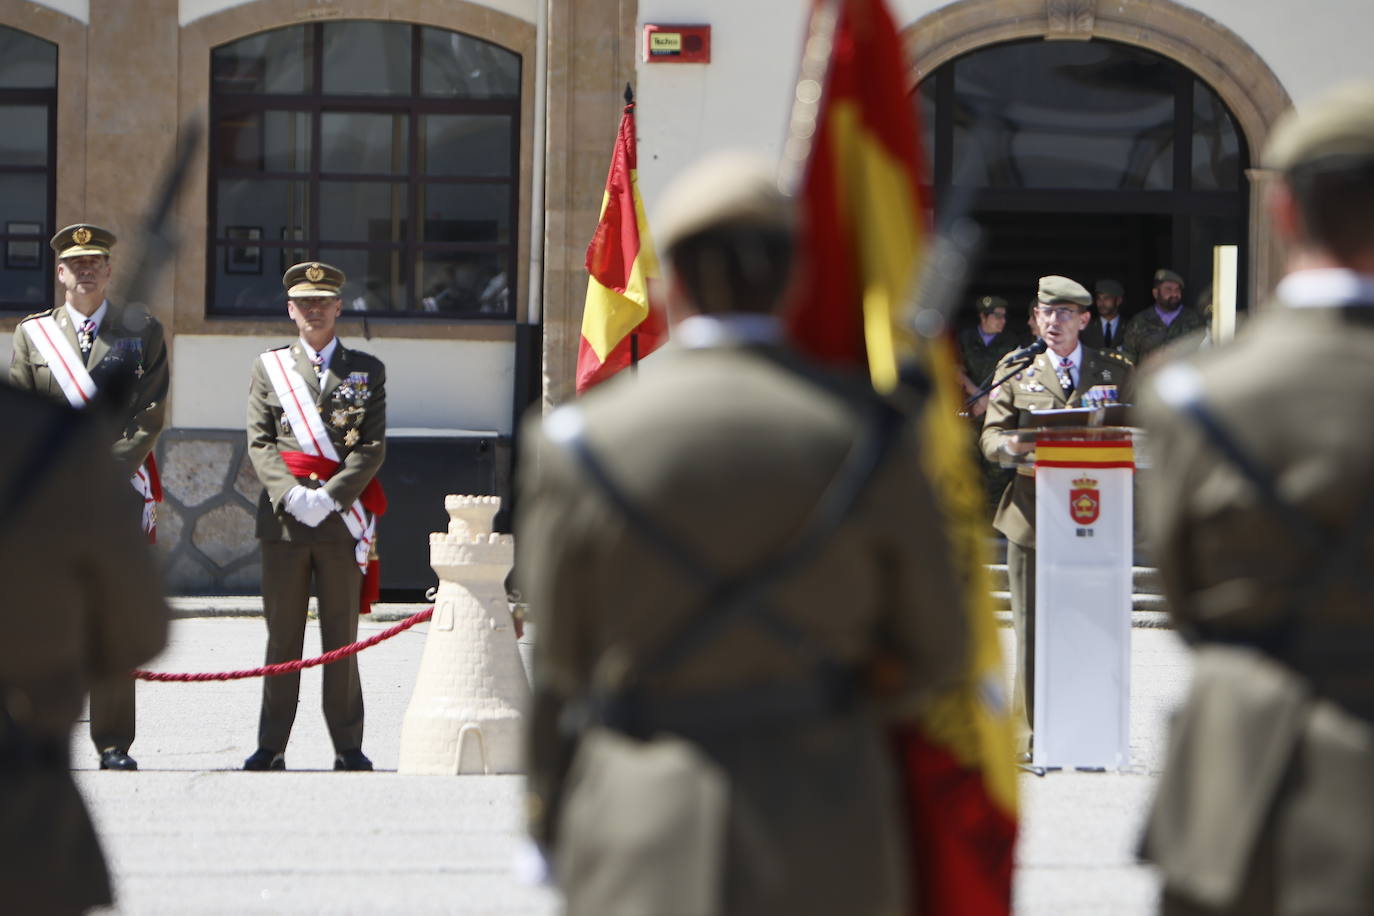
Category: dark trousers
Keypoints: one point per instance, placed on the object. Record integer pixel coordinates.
(1021, 577)
(287, 569)
(112, 713)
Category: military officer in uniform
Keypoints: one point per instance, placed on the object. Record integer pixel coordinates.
(1107, 330)
(981, 348)
(83, 603)
(316, 437)
(1166, 320)
(90, 344)
(1262, 513)
(1065, 375)
(719, 554)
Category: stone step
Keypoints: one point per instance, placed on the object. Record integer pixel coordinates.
(1144, 579)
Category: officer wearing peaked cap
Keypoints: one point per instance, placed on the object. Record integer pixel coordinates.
(717, 754)
(1063, 376)
(1261, 514)
(89, 345)
(316, 437)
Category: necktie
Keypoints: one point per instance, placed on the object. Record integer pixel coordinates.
(1106, 334)
(318, 362)
(1066, 374)
(85, 338)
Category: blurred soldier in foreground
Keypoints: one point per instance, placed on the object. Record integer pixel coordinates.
(739, 574)
(85, 345)
(1066, 375)
(1263, 516)
(83, 602)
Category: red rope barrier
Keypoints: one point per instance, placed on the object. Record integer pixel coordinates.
(297, 665)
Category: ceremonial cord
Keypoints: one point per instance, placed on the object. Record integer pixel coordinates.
(297, 665)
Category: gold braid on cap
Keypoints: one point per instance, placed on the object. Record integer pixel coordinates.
(314, 273)
(81, 236)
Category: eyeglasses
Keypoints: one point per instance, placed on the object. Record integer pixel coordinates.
(1046, 313)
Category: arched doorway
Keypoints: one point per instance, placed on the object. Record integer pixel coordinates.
(1093, 159)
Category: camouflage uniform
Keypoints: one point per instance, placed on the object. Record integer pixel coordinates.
(1146, 333)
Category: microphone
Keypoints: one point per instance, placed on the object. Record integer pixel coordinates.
(1037, 347)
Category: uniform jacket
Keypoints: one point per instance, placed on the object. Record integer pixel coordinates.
(352, 403)
(1092, 335)
(1037, 388)
(1145, 332)
(1268, 753)
(129, 340)
(71, 548)
(980, 358)
(728, 448)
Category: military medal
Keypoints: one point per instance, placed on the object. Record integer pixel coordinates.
(351, 438)
(339, 418)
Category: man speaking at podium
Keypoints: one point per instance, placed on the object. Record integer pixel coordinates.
(1065, 374)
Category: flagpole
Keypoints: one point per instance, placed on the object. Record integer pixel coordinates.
(634, 352)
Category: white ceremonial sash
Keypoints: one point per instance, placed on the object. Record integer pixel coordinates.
(1084, 552)
(63, 360)
(295, 396)
(66, 365)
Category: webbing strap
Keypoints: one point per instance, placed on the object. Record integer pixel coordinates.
(1340, 551)
(729, 598)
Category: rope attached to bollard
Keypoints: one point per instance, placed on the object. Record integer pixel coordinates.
(297, 665)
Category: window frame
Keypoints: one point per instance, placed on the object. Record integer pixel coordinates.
(415, 106)
(48, 98)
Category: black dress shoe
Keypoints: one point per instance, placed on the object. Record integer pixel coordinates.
(263, 759)
(352, 760)
(112, 758)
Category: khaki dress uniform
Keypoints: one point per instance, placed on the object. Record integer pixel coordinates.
(352, 402)
(129, 340)
(727, 449)
(1035, 388)
(1267, 802)
(83, 602)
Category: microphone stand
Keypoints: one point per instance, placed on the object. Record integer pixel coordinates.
(1016, 366)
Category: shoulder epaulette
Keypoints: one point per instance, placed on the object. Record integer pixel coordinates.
(1119, 357)
(36, 315)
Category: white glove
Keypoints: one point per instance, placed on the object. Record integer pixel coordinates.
(322, 502)
(301, 503)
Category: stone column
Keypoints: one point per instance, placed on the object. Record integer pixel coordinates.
(591, 57)
(465, 713)
(1266, 251)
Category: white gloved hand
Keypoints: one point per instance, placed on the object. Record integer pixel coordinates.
(305, 507)
(322, 502)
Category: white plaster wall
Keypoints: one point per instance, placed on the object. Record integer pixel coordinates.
(191, 10)
(743, 97)
(430, 384)
(79, 10)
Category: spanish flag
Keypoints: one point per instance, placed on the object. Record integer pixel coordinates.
(618, 325)
(863, 234)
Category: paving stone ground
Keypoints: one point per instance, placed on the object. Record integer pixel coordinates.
(191, 834)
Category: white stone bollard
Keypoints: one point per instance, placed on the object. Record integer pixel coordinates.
(465, 713)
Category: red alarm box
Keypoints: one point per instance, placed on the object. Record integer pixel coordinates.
(677, 44)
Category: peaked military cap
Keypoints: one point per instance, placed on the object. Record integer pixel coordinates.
(725, 189)
(1055, 289)
(987, 304)
(82, 239)
(1109, 288)
(1165, 275)
(1335, 130)
(313, 280)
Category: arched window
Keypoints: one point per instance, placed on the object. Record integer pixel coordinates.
(1093, 159)
(28, 129)
(390, 150)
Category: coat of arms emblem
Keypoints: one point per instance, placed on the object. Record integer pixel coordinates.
(314, 274)
(81, 236)
(1085, 501)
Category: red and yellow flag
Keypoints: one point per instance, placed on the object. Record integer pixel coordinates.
(863, 225)
(617, 321)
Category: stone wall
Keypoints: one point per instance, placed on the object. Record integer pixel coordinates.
(205, 523)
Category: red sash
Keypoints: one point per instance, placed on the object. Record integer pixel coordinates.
(373, 499)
